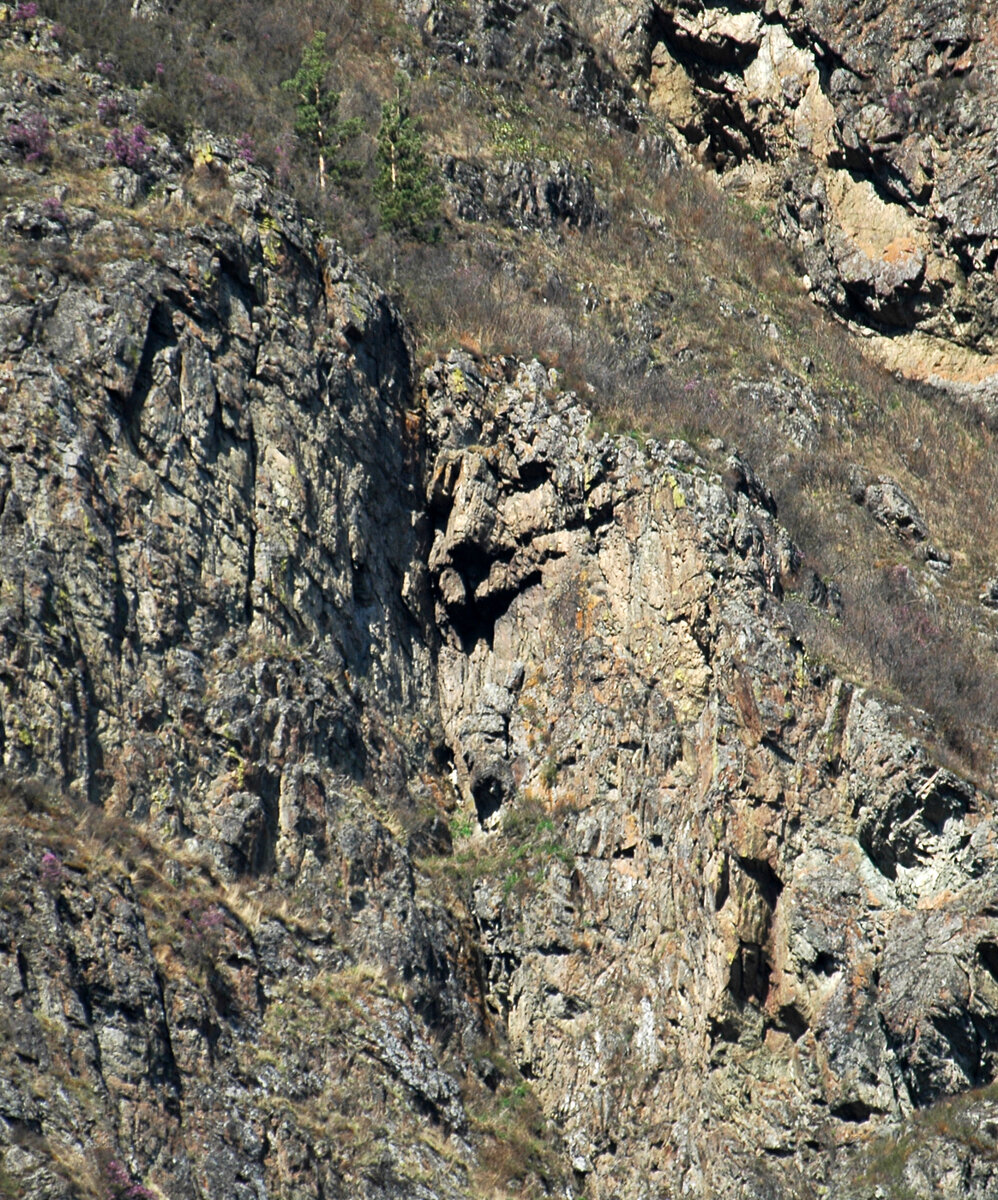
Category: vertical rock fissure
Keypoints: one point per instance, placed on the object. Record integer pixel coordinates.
(251, 509)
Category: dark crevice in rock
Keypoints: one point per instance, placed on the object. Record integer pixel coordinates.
(791, 1020)
(963, 1040)
(235, 270)
(553, 950)
(478, 621)
(85, 998)
(24, 1131)
(22, 970)
(89, 709)
(159, 335)
(222, 993)
(722, 888)
(491, 788)
(170, 1071)
(362, 585)
(474, 562)
(265, 857)
(769, 883)
(748, 978)
(726, 1030)
(251, 529)
(987, 956)
(702, 630)
(726, 136)
(598, 517)
(897, 837)
(854, 1111)
(825, 964)
(443, 757)
(532, 475)
(774, 747)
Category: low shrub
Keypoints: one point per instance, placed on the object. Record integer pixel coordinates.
(30, 137)
(129, 150)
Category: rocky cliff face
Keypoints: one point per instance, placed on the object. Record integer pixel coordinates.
(411, 791)
(870, 131)
(216, 625)
(714, 964)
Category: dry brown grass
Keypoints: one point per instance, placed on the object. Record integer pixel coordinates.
(527, 294)
(576, 301)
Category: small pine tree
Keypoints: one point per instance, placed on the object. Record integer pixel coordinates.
(317, 109)
(407, 195)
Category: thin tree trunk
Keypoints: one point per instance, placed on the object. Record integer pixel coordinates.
(320, 138)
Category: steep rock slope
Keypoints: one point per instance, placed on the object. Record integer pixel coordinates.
(763, 925)
(428, 796)
(217, 656)
(869, 128)
(731, 921)
(174, 437)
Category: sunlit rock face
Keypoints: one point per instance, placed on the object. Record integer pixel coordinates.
(411, 790)
(869, 132)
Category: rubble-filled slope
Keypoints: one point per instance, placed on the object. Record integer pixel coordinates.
(430, 797)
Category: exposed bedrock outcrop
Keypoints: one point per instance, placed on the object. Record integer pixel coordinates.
(871, 131)
(215, 628)
(762, 908)
(207, 456)
(524, 195)
(275, 614)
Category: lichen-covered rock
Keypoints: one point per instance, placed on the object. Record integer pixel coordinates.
(895, 511)
(524, 195)
(421, 794)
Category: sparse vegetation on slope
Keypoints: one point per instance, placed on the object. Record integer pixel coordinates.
(679, 854)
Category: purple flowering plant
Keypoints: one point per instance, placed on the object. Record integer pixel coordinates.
(52, 208)
(129, 150)
(203, 933)
(30, 136)
(121, 1185)
(51, 871)
(108, 110)
(898, 105)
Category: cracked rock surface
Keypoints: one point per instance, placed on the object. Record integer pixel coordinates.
(410, 791)
(753, 894)
(869, 129)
